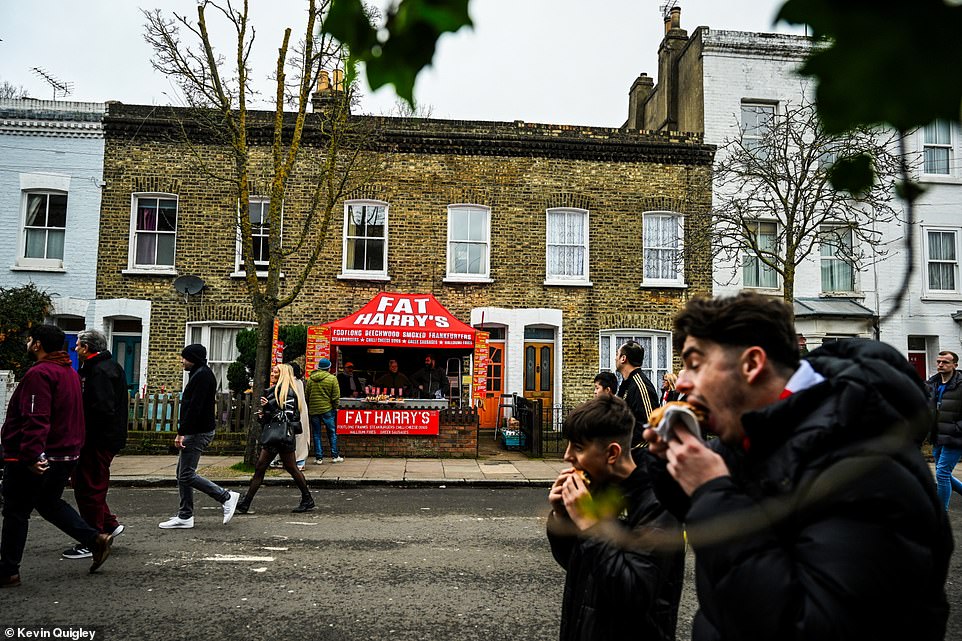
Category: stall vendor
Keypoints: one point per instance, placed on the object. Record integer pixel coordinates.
(395, 380)
(350, 382)
(431, 381)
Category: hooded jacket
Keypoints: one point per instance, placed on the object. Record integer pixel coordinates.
(829, 526)
(613, 592)
(105, 400)
(946, 409)
(45, 414)
(323, 392)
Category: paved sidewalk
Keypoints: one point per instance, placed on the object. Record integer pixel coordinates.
(161, 469)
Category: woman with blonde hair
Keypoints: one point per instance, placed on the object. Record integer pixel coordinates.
(668, 391)
(284, 396)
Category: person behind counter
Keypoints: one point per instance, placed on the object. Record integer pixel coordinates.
(350, 382)
(430, 379)
(393, 379)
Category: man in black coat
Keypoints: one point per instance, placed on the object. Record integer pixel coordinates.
(623, 552)
(350, 383)
(105, 400)
(430, 379)
(945, 398)
(813, 515)
(194, 433)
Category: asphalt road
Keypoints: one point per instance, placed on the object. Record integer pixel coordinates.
(370, 563)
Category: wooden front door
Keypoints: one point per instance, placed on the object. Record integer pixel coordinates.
(539, 372)
(492, 399)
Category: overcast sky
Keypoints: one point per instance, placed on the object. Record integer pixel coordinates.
(555, 61)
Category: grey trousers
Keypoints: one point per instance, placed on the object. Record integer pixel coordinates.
(187, 478)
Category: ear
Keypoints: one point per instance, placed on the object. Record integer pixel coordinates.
(752, 362)
(613, 453)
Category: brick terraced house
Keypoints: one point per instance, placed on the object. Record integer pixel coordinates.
(561, 241)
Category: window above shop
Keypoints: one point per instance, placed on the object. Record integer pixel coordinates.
(365, 241)
(469, 243)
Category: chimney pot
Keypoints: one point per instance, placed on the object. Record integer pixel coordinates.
(323, 81)
(675, 17)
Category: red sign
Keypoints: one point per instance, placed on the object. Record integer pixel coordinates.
(480, 386)
(388, 422)
(405, 320)
(318, 347)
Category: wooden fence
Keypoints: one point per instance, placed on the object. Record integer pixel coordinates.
(160, 413)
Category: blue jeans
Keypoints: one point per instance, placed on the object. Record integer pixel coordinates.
(24, 492)
(187, 478)
(946, 458)
(328, 418)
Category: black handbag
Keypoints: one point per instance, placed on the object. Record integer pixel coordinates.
(277, 435)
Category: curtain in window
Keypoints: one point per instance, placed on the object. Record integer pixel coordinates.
(662, 242)
(838, 274)
(566, 243)
(756, 273)
(937, 139)
(942, 260)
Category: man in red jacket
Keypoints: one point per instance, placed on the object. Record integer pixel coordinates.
(41, 439)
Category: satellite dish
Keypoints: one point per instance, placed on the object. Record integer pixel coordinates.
(188, 285)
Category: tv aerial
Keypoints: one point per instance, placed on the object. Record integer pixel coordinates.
(65, 88)
(188, 286)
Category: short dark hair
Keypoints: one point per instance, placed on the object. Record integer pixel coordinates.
(955, 357)
(744, 320)
(50, 337)
(605, 418)
(607, 380)
(634, 352)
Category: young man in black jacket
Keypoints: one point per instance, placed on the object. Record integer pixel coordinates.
(813, 515)
(623, 553)
(945, 398)
(194, 433)
(636, 388)
(105, 398)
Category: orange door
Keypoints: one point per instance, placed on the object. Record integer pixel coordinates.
(539, 372)
(489, 406)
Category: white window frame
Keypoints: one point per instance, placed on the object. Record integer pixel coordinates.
(658, 351)
(749, 255)
(833, 258)
(567, 279)
(930, 292)
(750, 139)
(44, 263)
(648, 245)
(201, 333)
(469, 277)
(259, 265)
(364, 274)
(132, 265)
(930, 139)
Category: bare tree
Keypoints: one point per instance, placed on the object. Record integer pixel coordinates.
(218, 89)
(775, 205)
(8, 90)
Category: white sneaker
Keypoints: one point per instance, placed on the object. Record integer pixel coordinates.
(337, 459)
(118, 530)
(175, 522)
(230, 505)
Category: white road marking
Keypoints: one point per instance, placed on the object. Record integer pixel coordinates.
(236, 558)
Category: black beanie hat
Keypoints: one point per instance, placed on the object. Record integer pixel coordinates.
(196, 353)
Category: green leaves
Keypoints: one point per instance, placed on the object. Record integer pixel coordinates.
(894, 62)
(396, 52)
(854, 174)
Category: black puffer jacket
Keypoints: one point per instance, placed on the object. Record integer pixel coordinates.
(829, 526)
(614, 592)
(947, 410)
(105, 402)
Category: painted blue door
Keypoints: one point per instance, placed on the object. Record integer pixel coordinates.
(126, 351)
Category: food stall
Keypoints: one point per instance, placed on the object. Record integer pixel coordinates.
(393, 325)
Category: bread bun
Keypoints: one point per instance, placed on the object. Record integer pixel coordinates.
(656, 414)
(583, 476)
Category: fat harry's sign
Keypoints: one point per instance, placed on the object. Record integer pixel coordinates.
(404, 320)
(388, 422)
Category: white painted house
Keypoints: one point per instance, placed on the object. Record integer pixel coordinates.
(720, 82)
(51, 179)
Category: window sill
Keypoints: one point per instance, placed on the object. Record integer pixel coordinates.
(243, 274)
(767, 291)
(461, 280)
(941, 298)
(38, 268)
(656, 285)
(382, 278)
(149, 272)
(945, 179)
(852, 294)
(568, 283)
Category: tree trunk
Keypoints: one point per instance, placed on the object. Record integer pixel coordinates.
(262, 368)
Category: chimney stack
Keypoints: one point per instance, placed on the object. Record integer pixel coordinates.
(638, 95)
(675, 17)
(329, 95)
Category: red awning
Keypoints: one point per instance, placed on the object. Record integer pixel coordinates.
(402, 320)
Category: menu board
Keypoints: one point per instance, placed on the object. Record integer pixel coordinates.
(318, 346)
(479, 387)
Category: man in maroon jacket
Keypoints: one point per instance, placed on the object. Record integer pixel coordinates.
(41, 439)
